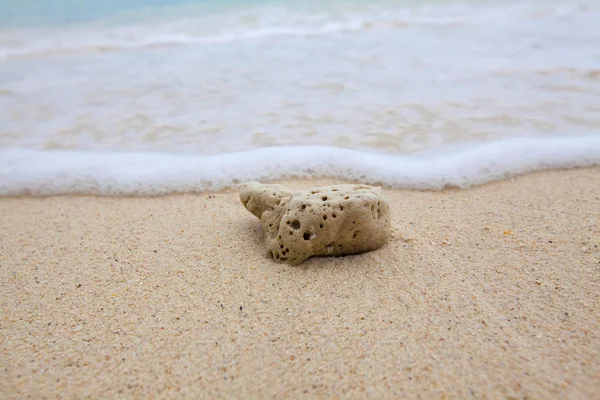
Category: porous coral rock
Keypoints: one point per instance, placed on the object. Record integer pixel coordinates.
(325, 221)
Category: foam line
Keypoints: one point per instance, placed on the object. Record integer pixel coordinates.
(170, 40)
(34, 172)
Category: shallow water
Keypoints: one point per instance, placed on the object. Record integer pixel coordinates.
(204, 78)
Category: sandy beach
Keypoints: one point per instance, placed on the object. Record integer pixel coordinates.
(491, 292)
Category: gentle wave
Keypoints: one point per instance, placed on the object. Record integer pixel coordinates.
(31, 172)
(174, 39)
(139, 36)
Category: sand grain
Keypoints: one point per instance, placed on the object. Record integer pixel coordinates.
(491, 292)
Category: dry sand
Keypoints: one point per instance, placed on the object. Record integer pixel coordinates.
(491, 292)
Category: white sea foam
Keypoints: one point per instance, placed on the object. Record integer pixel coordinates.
(101, 44)
(116, 173)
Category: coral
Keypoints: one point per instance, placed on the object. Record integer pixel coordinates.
(325, 221)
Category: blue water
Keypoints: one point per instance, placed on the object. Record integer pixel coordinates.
(41, 12)
(15, 13)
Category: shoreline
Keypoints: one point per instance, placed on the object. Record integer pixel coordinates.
(486, 292)
(32, 172)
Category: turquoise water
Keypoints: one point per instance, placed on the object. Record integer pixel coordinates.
(203, 79)
(38, 12)
(43, 12)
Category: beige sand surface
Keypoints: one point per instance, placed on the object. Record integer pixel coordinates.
(492, 292)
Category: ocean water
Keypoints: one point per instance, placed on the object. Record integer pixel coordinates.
(159, 96)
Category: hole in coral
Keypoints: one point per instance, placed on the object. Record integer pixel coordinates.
(287, 222)
(324, 217)
(279, 237)
(375, 211)
(303, 207)
(346, 198)
(287, 250)
(281, 246)
(324, 198)
(308, 235)
(320, 225)
(291, 233)
(277, 256)
(333, 215)
(341, 208)
(295, 224)
(355, 234)
(283, 259)
(334, 190)
(277, 202)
